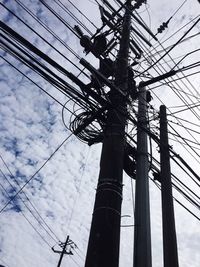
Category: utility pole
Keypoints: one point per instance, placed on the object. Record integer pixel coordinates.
(104, 240)
(63, 251)
(67, 242)
(169, 229)
(142, 234)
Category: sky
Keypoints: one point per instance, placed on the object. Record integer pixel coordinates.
(59, 200)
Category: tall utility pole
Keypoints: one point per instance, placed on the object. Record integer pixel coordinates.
(104, 240)
(142, 236)
(169, 229)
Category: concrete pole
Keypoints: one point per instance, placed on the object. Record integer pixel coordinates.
(104, 240)
(142, 234)
(169, 229)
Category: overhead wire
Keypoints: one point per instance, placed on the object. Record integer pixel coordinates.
(172, 35)
(182, 137)
(46, 27)
(31, 178)
(175, 91)
(187, 197)
(82, 14)
(59, 17)
(31, 212)
(187, 121)
(39, 35)
(41, 219)
(57, 82)
(26, 218)
(170, 57)
(182, 143)
(65, 9)
(191, 200)
(36, 84)
(176, 200)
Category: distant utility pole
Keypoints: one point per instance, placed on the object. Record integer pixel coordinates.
(169, 229)
(104, 240)
(63, 252)
(142, 234)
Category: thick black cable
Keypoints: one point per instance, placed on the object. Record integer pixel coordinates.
(36, 84)
(44, 25)
(57, 82)
(60, 18)
(36, 32)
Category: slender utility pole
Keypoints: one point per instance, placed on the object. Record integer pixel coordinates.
(104, 240)
(63, 251)
(142, 236)
(169, 229)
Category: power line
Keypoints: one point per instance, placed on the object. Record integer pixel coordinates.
(54, 237)
(64, 8)
(82, 14)
(26, 218)
(158, 186)
(51, 32)
(28, 181)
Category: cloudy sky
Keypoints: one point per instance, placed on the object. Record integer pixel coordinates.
(58, 201)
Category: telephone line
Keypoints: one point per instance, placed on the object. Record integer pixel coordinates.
(28, 181)
(158, 186)
(28, 199)
(52, 33)
(65, 9)
(82, 14)
(26, 218)
(23, 201)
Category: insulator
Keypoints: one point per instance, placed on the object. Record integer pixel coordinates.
(78, 30)
(163, 26)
